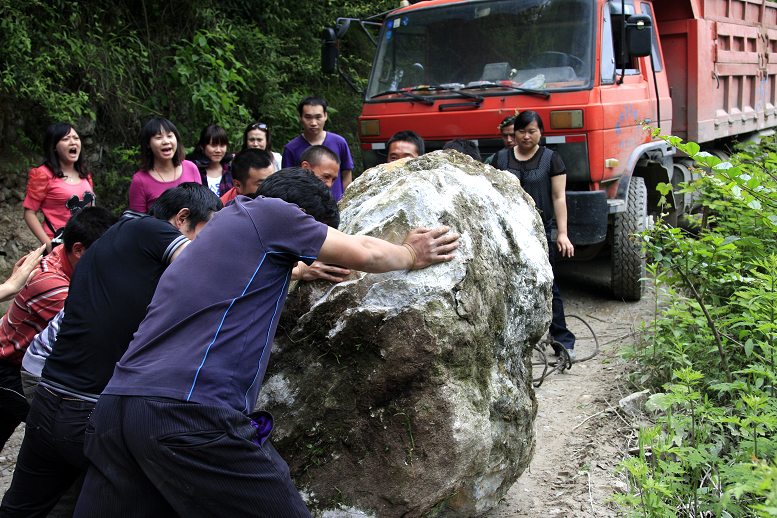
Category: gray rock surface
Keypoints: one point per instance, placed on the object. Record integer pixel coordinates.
(634, 404)
(409, 393)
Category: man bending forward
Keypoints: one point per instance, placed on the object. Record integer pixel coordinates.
(173, 432)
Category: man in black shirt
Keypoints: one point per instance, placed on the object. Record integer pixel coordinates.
(108, 297)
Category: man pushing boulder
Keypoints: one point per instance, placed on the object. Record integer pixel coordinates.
(174, 431)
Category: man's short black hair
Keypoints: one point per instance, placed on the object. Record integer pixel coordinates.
(249, 159)
(465, 146)
(507, 121)
(314, 154)
(86, 226)
(200, 201)
(407, 136)
(302, 188)
(312, 101)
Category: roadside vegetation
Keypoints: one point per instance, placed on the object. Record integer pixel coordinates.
(709, 354)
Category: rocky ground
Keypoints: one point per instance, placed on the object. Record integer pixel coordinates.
(582, 433)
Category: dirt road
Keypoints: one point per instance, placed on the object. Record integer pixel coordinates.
(581, 432)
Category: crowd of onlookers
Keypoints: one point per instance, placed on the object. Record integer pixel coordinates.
(111, 338)
(63, 183)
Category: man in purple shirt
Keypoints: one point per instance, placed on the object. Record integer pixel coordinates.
(174, 432)
(313, 117)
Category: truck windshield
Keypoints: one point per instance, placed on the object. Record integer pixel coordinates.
(530, 44)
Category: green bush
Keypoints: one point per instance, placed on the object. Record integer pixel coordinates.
(709, 354)
(109, 66)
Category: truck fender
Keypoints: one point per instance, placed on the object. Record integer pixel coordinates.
(651, 161)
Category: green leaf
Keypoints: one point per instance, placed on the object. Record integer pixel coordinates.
(664, 188)
(749, 345)
(658, 401)
(692, 148)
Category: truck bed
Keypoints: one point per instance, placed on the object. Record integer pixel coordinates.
(721, 62)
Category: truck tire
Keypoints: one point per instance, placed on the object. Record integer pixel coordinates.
(628, 260)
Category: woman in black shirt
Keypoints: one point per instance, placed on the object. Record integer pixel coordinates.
(543, 176)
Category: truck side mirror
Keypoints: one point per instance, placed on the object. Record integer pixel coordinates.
(329, 51)
(639, 35)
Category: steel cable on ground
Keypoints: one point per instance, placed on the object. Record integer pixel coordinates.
(563, 362)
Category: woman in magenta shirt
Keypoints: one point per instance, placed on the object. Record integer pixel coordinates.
(62, 175)
(162, 164)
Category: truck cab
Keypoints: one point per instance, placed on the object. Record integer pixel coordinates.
(595, 72)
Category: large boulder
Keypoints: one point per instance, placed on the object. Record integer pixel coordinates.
(409, 393)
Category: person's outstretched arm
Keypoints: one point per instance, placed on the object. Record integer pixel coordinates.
(319, 270)
(21, 272)
(422, 247)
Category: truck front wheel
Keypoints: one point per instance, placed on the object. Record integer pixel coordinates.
(628, 260)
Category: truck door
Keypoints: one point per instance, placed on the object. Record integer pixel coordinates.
(627, 99)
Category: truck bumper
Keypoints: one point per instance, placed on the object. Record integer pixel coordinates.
(587, 214)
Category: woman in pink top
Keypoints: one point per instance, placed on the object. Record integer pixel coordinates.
(51, 185)
(162, 164)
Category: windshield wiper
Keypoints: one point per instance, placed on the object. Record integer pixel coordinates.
(530, 91)
(441, 88)
(419, 98)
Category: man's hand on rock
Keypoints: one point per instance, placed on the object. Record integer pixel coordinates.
(327, 272)
(427, 246)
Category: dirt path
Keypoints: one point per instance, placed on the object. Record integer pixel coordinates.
(581, 432)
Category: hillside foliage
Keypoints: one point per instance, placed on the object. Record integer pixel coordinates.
(108, 66)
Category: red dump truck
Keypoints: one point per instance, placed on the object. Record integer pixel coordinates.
(597, 72)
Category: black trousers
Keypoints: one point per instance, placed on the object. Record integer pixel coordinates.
(13, 404)
(558, 325)
(161, 457)
(51, 459)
